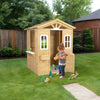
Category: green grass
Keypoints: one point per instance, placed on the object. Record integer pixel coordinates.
(17, 82)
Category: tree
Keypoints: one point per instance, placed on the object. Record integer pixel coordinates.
(19, 14)
(88, 41)
(69, 10)
(88, 38)
(5, 11)
(36, 15)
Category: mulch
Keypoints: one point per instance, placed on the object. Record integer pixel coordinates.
(3, 58)
(86, 52)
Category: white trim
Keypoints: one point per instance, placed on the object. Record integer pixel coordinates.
(43, 41)
(55, 29)
(67, 41)
(30, 52)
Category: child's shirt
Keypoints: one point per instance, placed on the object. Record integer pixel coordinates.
(62, 61)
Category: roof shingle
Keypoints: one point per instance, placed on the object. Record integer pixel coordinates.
(92, 16)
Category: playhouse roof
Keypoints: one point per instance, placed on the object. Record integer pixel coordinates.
(56, 23)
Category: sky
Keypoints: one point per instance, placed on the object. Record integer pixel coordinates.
(95, 5)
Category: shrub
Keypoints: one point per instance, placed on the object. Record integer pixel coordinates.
(6, 51)
(77, 48)
(88, 48)
(24, 52)
(9, 45)
(88, 41)
(88, 38)
(77, 39)
(16, 52)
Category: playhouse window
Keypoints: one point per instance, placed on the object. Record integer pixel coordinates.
(43, 42)
(67, 41)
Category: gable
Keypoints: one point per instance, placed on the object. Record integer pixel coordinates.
(53, 24)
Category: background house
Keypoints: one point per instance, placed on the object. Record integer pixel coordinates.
(91, 21)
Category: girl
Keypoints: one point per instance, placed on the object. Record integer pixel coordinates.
(61, 55)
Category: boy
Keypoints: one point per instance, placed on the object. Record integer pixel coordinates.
(61, 55)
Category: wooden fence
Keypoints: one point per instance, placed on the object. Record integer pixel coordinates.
(15, 37)
(76, 33)
(18, 38)
(96, 37)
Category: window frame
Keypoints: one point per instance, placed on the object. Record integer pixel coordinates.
(67, 41)
(41, 41)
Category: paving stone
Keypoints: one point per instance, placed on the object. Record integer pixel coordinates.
(80, 92)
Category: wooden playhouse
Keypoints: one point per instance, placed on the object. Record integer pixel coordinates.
(44, 39)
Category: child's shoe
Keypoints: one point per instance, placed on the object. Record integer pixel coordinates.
(61, 77)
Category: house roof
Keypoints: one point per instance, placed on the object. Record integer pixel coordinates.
(92, 16)
(56, 23)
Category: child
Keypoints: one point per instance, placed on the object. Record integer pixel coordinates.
(61, 55)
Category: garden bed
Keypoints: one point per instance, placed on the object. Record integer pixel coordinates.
(1, 58)
(85, 52)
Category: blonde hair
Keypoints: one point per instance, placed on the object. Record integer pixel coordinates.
(61, 46)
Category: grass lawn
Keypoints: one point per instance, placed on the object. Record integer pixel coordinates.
(17, 82)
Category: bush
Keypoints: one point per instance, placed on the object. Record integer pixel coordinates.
(77, 39)
(24, 52)
(88, 41)
(6, 51)
(88, 38)
(9, 45)
(16, 52)
(88, 48)
(77, 48)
